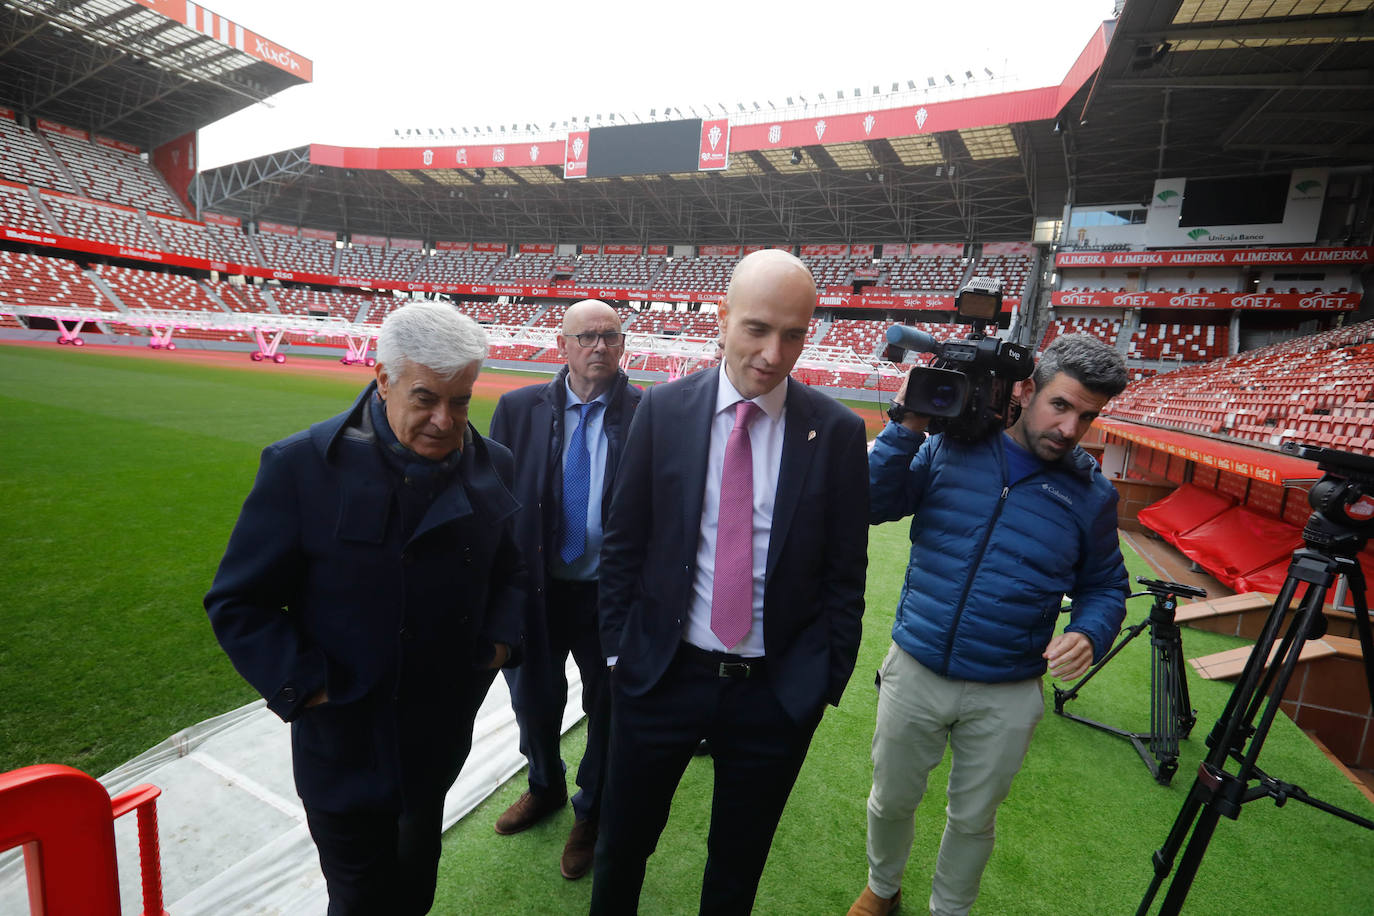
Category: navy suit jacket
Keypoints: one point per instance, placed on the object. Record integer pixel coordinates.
(529, 421)
(318, 589)
(817, 550)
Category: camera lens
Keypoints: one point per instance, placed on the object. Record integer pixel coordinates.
(943, 396)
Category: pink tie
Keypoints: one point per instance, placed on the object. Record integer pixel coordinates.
(732, 591)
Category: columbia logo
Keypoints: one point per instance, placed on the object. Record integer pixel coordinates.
(1056, 493)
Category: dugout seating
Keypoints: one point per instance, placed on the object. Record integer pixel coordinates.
(618, 270)
(707, 274)
(19, 210)
(1183, 510)
(290, 252)
(1103, 329)
(378, 262)
(458, 267)
(24, 159)
(87, 219)
(105, 173)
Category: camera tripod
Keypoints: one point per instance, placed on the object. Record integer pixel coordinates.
(1342, 518)
(1171, 712)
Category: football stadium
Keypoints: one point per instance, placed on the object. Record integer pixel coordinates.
(1194, 189)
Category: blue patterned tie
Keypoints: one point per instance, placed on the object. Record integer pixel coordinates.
(577, 485)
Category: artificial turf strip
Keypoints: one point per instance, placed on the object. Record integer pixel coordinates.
(122, 478)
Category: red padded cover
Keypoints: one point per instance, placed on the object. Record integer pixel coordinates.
(1183, 510)
(1238, 542)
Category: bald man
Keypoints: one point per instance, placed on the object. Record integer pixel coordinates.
(732, 582)
(567, 437)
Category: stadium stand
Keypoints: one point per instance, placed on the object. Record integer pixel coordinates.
(685, 324)
(1011, 270)
(1183, 342)
(709, 274)
(863, 337)
(25, 159)
(1103, 329)
(290, 252)
(236, 244)
(527, 267)
(837, 271)
(1317, 389)
(243, 298)
(618, 270)
(458, 267)
(345, 306)
(19, 210)
(105, 173)
(925, 274)
(87, 219)
(377, 262)
(514, 314)
(194, 240)
(31, 280)
(148, 290)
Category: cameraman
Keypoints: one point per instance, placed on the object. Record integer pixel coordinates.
(1003, 529)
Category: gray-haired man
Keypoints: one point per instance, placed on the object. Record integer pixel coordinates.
(369, 592)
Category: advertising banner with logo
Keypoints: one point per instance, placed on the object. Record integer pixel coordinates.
(1293, 302)
(861, 251)
(1306, 191)
(64, 130)
(591, 249)
(278, 228)
(221, 220)
(938, 250)
(824, 251)
(232, 34)
(1216, 257)
(622, 249)
(119, 145)
(896, 249)
(575, 150)
(1270, 467)
(176, 160)
(376, 241)
(658, 250)
(323, 235)
(715, 145)
(6, 114)
(537, 248)
(1008, 250)
(718, 251)
(408, 244)
(497, 247)
(453, 246)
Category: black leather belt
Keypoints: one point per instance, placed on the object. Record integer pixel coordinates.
(722, 664)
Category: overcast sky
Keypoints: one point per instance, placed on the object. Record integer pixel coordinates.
(379, 66)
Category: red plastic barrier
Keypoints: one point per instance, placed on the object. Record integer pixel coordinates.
(64, 819)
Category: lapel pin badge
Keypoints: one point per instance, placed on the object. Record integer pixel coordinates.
(811, 435)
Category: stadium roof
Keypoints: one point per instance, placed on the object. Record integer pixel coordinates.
(140, 71)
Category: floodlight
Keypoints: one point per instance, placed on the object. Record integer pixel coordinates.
(930, 82)
(911, 84)
(949, 79)
(988, 72)
(796, 156)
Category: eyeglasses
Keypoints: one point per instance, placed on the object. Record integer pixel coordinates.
(588, 339)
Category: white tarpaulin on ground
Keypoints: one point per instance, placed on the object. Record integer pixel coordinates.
(232, 829)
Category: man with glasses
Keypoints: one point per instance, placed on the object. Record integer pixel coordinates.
(567, 436)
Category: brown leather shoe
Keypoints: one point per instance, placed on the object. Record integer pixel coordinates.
(579, 850)
(528, 810)
(870, 904)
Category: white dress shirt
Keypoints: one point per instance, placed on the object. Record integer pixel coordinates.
(765, 438)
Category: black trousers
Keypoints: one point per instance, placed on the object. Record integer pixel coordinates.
(539, 694)
(379, 863)
(757, 751)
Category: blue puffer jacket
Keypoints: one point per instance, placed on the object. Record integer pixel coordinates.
(990, 562)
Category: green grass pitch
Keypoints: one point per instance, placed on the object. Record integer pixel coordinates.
(121, 478)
